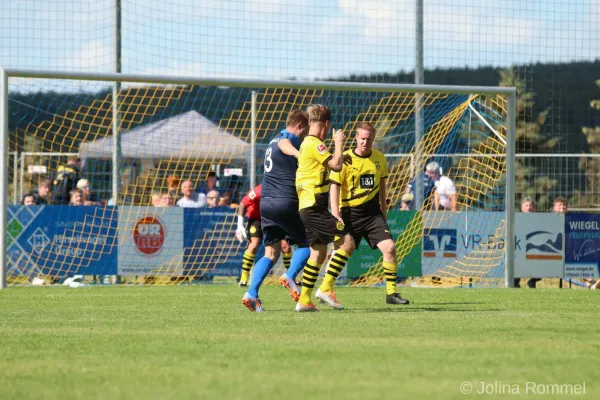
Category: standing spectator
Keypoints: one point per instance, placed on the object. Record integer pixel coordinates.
(527, 206)
(212, 199)
(190, 198)
(42, 194)
(88, 199)
(445, 191)
(209, 184)
(28, 199)
(65, 180)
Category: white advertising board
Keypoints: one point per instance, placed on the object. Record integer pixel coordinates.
(150, 240)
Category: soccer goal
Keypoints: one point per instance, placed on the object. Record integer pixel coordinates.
(139, 138)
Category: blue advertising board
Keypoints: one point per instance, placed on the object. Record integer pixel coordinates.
(209, 244)
(61, 241)
(582, 245)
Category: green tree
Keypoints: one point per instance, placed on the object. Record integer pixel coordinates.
(532, 179)
(590, 165)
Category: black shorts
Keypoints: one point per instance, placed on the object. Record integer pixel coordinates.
(372, 227)
(253, 229)
(280, 221)
(321, 227)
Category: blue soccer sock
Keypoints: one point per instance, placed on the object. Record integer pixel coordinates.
(299, 260)
(261, 270)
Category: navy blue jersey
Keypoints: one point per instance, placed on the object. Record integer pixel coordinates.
(279, 179)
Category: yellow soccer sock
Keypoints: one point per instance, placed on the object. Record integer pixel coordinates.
(390, 271)
(247, 263)
(334, 269)
(287, 260)
(309, 278)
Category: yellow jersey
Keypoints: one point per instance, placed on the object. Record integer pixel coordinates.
(312, 183)
(360, 178)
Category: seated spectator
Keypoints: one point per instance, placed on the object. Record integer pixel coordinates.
(42, 194)
(88, 199)
(190, 198)
(76, 197)
(28, 200)
(212, 199)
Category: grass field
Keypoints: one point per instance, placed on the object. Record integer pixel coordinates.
(199, 342)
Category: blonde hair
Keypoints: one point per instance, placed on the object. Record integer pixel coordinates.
(318, 113)
(367, 126)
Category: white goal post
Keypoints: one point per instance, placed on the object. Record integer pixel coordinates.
(510, 125)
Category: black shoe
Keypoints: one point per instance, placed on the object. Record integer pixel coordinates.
(395, 299)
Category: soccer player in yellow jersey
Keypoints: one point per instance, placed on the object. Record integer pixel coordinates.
(312, 185)
(360, 191)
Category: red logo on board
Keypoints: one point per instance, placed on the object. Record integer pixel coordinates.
(148, 235)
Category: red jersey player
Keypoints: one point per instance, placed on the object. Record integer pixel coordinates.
(250, 206)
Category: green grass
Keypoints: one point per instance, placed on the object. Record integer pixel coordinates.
(199, 342)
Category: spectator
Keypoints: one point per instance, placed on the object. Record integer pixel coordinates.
(212, 199)
(407, 201)
(209, 184)
(225, 199)
(76, 197)
(445, 191)
(173, 182)
(88, 199)
(527, 206)
(560, 205)
(28, 199)
(428, 187)
(65, 180)
(165, 200)
(42, 194)
(190, 198)
(155, 199)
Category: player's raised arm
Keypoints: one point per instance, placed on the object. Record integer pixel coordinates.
(336, 162)
(287, 148)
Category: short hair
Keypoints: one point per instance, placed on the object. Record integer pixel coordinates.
(74, 159)
(560, 199)
(212, 174)
(83, 183)
(26, 195)
(45, 182)
(433, 167)
(297, 117)
(367, 126)
(527, 199)
(318, 113)
(75, 191)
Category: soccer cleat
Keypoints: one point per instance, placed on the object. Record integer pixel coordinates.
(243, 284)
(252, 303)
(395, 299)
(310, 307)
(329, 298)
(290, 285)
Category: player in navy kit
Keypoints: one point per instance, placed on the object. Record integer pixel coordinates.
(279, 209)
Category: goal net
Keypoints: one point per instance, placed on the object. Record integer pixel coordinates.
(137, 148)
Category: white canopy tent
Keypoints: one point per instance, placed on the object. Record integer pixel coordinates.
(186, 136)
